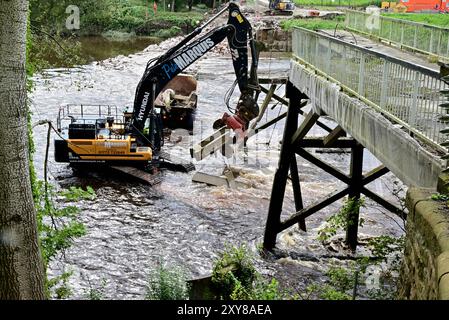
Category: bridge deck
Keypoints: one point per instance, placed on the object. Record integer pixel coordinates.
(381, 47)
(387, 99)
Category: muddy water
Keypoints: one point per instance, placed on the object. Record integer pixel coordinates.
(96, 48)
(131, 227)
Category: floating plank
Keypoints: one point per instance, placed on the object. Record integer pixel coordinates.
(211, 144)
(218, 181)
(141, 175)
(175, 163)
(264, 106)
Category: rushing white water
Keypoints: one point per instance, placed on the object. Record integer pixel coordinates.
(131, 226)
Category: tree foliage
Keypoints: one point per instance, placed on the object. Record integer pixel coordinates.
(102, 15)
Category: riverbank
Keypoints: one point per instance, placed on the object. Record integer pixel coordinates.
(104, 34)
(96, 18)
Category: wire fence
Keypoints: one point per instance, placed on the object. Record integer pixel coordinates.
(427, 39)
(405, 93)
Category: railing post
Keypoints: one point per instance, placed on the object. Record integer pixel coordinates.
(361, 75)
(447, 48)
(415, 39)
(347, 19)
(384, 87)
(381, 23)
(391, 31)
(329, 57)
(402, 35)
(431, 43)
(414, 106)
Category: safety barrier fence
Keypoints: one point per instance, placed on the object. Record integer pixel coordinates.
(427, 39)
(408, 94)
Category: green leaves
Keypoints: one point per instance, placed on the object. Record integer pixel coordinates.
(440, 197)
(381, 247)
(167, 283)
(340, 220)
(76, 194)
(430, 18)
(58, 226)
(103, 15)
(312, 24)
(236, 278)
(340, 283)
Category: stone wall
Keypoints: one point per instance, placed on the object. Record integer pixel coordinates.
(275, 39)
(425, 272)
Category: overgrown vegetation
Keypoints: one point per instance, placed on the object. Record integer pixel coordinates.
(440, 20)
(57, 224)
(95, 292)
(340, 220)
(338, 286)
(59, 46)
(235, 277)
(76, 194)
(338, 3)
(167, 283)
(374, 277)
(54, 50)
(99, 16)
(371, 276)
(313, 23)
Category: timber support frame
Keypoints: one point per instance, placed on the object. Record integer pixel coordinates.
(295, 143)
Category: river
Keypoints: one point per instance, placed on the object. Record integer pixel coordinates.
(131, 226)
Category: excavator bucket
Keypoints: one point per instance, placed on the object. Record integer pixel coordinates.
(178, 102)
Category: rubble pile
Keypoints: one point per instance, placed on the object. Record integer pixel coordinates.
(268, 26)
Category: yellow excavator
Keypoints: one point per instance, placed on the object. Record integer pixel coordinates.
(104, 134)
(281, 7)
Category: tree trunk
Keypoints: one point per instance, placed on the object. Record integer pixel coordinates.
(21, 268)
(172, 6)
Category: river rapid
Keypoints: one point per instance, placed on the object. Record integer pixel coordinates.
(131, 227)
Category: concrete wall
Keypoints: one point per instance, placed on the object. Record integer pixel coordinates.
(275, 40)
(425, 272)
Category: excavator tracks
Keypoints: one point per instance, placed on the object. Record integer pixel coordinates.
(174, 163)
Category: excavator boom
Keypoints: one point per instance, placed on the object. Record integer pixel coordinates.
(238, 31)
(106, 136)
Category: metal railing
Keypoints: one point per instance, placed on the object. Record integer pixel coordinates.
(87, 113)
(405, 93)
(427, 39)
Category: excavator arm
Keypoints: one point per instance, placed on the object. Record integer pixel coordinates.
(162, 70)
